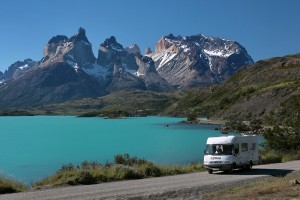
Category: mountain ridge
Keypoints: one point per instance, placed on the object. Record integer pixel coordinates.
(116, 68)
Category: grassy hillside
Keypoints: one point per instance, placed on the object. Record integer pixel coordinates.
(252, 92)
(133, 102)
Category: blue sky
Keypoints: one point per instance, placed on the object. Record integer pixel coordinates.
(266, 28)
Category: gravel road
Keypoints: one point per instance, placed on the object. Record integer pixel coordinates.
(187, 186)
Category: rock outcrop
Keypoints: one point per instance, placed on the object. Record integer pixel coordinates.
(134, 48)
(17, 69)
(127, 69)
(147, 51)
(197, 60)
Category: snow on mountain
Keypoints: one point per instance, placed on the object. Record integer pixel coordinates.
(197, 59)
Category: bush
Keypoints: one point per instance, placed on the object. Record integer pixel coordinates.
(125, 159)
(68, 167)
(150, 170)
(191, 117)
(124, 167)
(11, 186)
(86, 178)
(268, 157)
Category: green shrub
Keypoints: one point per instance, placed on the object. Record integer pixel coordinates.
(150, 170)
(125, 159)
(268, 157)
(86, 178)
(11, 186)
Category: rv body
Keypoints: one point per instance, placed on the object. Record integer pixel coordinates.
(226, 153)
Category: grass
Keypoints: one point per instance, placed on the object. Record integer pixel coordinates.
(271, 188)
(124, 167)
(11, 186)
(268, 156)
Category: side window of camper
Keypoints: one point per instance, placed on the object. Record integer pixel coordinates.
(253, 147)
(244, 147)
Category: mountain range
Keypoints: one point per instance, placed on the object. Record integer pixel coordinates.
(266, 88)
(69, 70)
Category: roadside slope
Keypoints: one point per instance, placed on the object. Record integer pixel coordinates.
(188, 186)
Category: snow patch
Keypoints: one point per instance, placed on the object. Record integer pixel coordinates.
(156, 56)
(210, 63)
(73, 64)
(23, 67)
(219, 53)
(96, 70)
(115, 48)
(139, 74)
(166, 58)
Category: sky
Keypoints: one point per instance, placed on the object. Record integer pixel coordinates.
(266, 28)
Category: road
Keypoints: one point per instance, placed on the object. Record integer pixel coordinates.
(187, 186)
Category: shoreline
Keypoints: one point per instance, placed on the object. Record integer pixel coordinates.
(206, 122)
(213, 122)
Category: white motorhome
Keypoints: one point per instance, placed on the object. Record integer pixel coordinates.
(226, 153)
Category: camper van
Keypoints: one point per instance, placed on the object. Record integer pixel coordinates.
(226, 153)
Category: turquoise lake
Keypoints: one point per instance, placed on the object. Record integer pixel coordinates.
(35, 147)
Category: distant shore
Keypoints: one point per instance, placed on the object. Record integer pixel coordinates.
(208, 121)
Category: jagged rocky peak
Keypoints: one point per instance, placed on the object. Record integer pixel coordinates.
(166, 43)
(134, 48)
(76, 51)
(111, 43)
(109, 51)
(18, 68)
(148, 51)
(80, 36)
(58, 39)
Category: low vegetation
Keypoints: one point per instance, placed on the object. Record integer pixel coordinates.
(124, 167)
(108, 114)
(11, 186)
(286, 187)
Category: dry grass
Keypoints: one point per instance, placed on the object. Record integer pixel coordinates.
(272, 188)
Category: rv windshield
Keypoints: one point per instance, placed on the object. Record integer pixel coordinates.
(218, 149)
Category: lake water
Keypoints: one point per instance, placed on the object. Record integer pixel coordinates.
(32, 148)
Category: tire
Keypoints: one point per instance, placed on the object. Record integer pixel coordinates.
(229, 171)
(249, 166)
(210, 171)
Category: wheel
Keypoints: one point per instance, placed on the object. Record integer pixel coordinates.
(249, 166)
(210, 171)
(229, 171)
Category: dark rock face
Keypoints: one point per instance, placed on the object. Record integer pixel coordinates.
(80, 36)
(197, 60)
(17, 69)
(52, 84)
(58, 39)
(63, 74)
